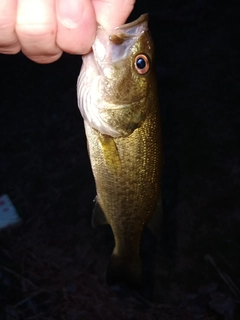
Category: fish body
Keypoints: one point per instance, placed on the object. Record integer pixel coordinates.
(117, 97)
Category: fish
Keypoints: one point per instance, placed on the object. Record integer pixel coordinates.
(118, 100)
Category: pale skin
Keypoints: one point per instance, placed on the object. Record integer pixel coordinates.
(43, 29)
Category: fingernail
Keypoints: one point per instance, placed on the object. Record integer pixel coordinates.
(68, 12)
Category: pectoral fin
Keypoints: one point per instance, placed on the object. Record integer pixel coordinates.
(110, 153)
(155, 222)
(98, 217)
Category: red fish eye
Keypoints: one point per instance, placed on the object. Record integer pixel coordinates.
(141, 64)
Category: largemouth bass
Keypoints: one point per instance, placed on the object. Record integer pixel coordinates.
(117, 97)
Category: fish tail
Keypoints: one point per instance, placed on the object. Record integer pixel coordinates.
(124, 270)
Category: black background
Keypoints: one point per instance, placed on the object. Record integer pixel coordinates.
(53, 265)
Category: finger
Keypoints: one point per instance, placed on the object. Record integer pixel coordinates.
(112, 13)
(8, 38)
(76, 25)
(36, 29)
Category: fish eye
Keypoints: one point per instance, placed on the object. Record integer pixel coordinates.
(141, 64)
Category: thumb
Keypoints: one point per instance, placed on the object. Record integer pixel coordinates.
(112, 13)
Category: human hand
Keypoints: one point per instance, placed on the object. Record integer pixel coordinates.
(43, 29)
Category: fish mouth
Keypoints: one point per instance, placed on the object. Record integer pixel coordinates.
(142, 18)
(114, 46)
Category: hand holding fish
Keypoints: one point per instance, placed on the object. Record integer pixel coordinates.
(44, 29)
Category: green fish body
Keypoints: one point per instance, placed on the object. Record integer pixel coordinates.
(117, 96)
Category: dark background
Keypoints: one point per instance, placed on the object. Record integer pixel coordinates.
(53, 265)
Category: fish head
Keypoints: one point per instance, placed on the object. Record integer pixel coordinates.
(119, 74)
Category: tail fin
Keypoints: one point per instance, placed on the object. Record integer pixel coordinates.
(124, 270)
